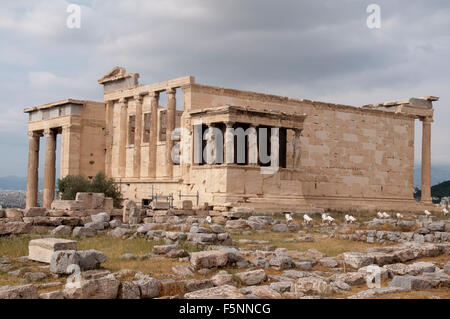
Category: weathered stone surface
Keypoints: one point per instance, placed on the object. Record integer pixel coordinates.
(164, 249)
(254, 277)
(34, 276)
(129, 290)
(371, 293)
(209, 259)
(280, 228)
(95, 225)
(102, 288)
(83, 232)
(62, 230)
(42, 249)
(7, 228)
(120, 232)
(115, 223)
(202, 237)
(410, 282)
(13, 213)
(62, 259)
(90, 259)
(19, 292)
(281, 262)
(177, 253)
(221, 292)
(264, 292)
(357, 259)
(328, 262)
(303, 265)
(312, 285)
(236, 224)
(198, 284)
(34, 211)
(436, 226)
(222, 278)
(281, 286)
(101, 218)
(369, 270)
(182, 271)
(350, 278)
(149, 287)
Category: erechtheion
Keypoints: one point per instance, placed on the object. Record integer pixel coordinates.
(321, 155)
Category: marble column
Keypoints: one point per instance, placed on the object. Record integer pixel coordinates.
(170, 126)
(153, 139)
(33, 169)
(50, 168)
(122, 137)
(137, 137)
(426, 160)
(252, 146)
(229, 143)
(109, 137)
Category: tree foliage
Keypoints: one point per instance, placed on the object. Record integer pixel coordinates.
(70, 185)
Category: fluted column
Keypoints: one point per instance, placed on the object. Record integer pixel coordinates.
(229, 143)
(70, 150)
(122, 137)
(153, 139)
(426, 160)
(137, 137)
(297, 148)
(33, 169)
(170, 126)
(252, 146)
(50, 168)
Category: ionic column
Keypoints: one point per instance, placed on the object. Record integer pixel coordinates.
(33, 169)
(252, 146)
(137, 137)
(153, 139)
(426, 160)
(229, 143)
(49, 169)
(108, 136)
(275, 147)
(122, 137)
(170, 126)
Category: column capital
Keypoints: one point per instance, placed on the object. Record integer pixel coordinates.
(427, 119)
(138, 98)
(49, 131)
(33, 134)
(123, 100)
(229, 124)
(153, 94)
(170, 91)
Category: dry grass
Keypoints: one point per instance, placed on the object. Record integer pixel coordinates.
(328, 246)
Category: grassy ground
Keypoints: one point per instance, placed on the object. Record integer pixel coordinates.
(328, 246)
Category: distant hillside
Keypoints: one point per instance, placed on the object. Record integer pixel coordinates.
(439, 174)
(16, 183)
(441, 190)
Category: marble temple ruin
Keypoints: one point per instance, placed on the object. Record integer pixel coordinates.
(326, 155)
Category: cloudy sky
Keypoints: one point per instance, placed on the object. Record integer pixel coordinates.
(317, 49)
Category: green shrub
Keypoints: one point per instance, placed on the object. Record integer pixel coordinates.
(70, 185)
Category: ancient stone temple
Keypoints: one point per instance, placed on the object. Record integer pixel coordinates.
(293, 153)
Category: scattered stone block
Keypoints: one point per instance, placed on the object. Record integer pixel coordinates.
(62, 230)
(19, 292)
(34, 211)
(221, 292)
(209, 259)
(42, 249)
(253, 277)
